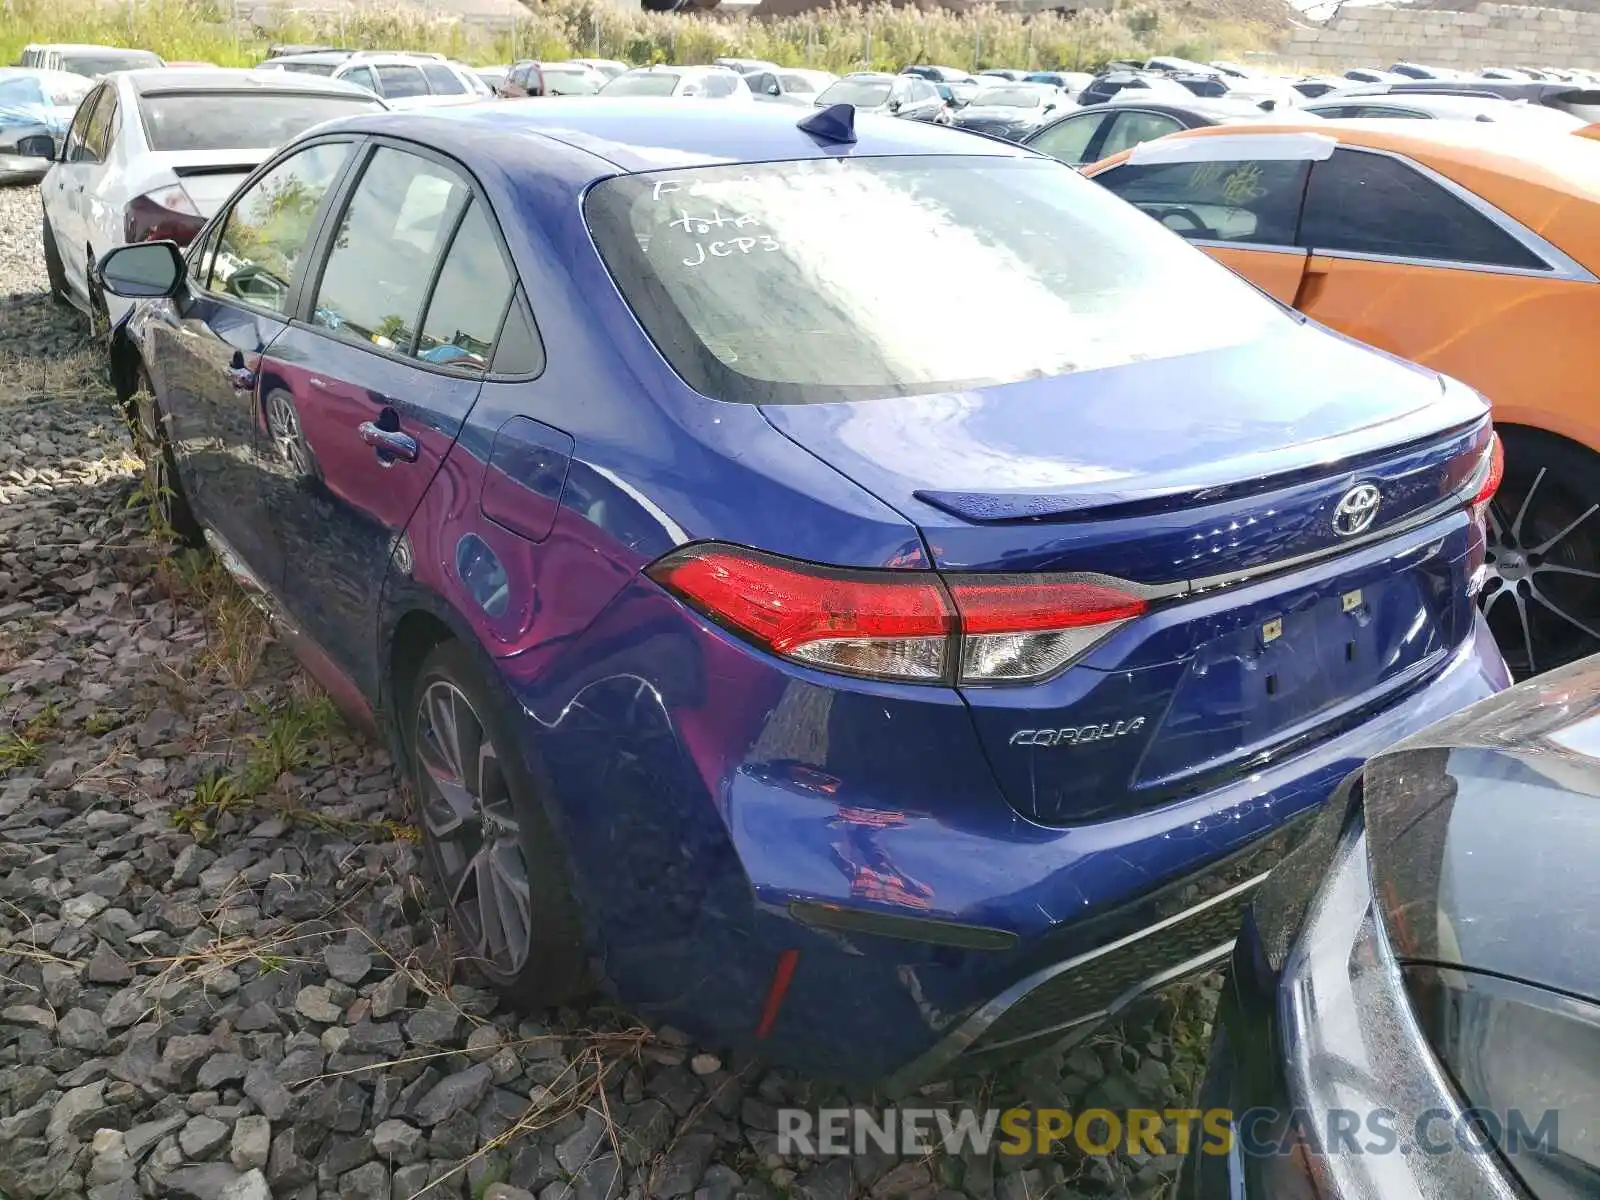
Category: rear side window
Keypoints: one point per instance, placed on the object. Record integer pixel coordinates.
(1072, 278)
(718, 85)
(238, 121)
(401, 82)
(1068, 139)
(361, 77)
(1373, 204)
(391, 234)
(308, 68)
(1251, 202)
(442, 80)
(469, 300)
(1129, 129)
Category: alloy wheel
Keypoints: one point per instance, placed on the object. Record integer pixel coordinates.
(1542, 565)
(283, 427)
(472, 824)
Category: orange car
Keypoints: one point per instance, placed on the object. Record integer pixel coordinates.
(1471, 248)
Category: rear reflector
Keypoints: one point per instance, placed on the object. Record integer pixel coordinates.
(914, 626)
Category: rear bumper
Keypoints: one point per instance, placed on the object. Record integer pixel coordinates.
(1192, 924)
(703, 789)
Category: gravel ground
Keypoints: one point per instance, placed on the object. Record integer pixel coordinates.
(220, 974)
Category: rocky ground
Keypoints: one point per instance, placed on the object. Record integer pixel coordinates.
(220, 974)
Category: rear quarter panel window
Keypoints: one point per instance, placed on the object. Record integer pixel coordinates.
(1373, 204)
(401, 82)
(442, 80)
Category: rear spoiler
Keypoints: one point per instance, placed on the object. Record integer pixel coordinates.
(215, 169)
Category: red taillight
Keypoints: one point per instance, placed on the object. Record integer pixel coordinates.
(1492, 476)
(162, 215)
(909, 625)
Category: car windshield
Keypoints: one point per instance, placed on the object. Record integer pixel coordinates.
(863, 93)
(578, 81)
(646, 83)
(102, 64)
(238, 120)
(21, 89)
(1009, 97)
(309, 68)
(822, 248)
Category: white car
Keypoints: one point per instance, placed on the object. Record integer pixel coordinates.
(92, 61)
(152, 154)
(404, 79)
(702, 83)
(36, 107)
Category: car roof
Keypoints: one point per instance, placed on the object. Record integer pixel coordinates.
(154, 81)
(1550, 181)
(88, 47)
(630, 134)
(1445, 105)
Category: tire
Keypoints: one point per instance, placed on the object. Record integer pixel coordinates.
(53, 268)
(169, 502)
(485, 829)
(1542, 592)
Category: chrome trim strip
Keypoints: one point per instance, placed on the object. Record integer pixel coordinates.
(1224, 244)
(959, 1040)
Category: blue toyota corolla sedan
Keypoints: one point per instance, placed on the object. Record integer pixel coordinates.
(829, 682)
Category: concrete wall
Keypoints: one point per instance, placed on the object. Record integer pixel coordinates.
(1491, 35)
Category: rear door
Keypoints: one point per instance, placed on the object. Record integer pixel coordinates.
(1242, 210)
(61, 189)
(367, 392)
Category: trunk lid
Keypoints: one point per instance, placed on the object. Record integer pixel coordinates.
(210, 178)
(1213, 481)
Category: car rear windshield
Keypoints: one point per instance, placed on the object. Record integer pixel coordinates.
(238, 120)
(786, 282)
(1010, 97)
(655, 83)
(309, 68)
(853, 91)
(104, 64)
(577, 81)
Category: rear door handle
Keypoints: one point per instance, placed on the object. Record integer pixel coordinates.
(392, 445)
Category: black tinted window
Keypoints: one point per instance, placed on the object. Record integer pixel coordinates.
(1373, 204)
(400, 82)
(390, 235)
(238, 121)
(469, 299)
(98, 138)
(1254, 202)
(443, 80)
(268, 227)
(80, 124)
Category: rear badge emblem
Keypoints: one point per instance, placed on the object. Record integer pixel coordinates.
(1356, 511)
(1082, 735)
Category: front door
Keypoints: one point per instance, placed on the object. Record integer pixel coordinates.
(365, 399)
(205, 360)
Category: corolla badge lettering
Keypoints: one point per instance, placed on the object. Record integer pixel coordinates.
(1080, 736)
(1356, 511)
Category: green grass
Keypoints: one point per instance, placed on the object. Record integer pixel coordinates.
(839, 39)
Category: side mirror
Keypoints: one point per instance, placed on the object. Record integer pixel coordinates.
(1051, 107)
(142, 270)
(773, 89)
(894, 106)
(40, 145)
